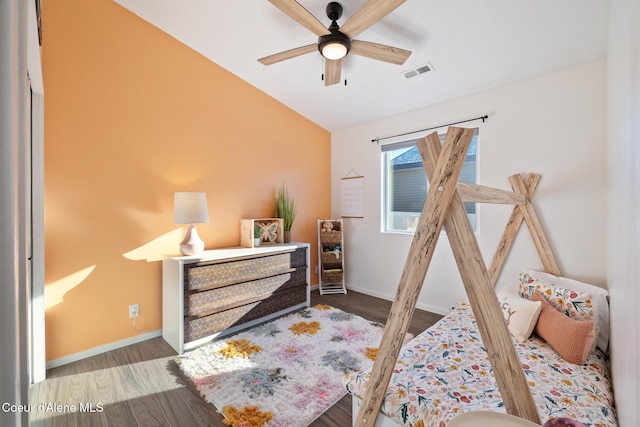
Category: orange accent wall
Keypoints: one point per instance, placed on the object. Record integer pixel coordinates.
(132, 116)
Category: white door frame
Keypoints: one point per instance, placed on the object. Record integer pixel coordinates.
(14, 133)
(37, 344)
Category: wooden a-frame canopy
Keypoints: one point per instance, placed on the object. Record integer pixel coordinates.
(444, 207)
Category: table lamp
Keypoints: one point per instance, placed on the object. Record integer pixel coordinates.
(190, 208)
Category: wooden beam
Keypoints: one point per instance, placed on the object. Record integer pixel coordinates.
(507, 367)
(535, 229)
(510, 231)
(482, 194)
(441, 190)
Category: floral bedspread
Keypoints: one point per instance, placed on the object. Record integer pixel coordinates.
(445, 371)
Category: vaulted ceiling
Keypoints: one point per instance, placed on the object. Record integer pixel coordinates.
(471, 45)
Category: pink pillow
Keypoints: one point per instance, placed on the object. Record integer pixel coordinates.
(571, 338)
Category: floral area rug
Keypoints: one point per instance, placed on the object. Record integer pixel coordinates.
(286, 372)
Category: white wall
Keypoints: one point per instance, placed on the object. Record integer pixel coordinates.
(623, 73)
(553, 125)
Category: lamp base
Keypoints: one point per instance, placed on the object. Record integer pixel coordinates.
(192, 244)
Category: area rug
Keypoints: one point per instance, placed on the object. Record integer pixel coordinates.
(284, 373)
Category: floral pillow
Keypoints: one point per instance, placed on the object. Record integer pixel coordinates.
(574, 304)
(600, 301)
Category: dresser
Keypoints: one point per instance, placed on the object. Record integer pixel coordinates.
(222, 291)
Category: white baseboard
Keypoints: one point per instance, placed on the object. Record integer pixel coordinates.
(388, 297)
(102, 349)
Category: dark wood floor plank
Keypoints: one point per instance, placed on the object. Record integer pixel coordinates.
(182, 404)
(148, 412)
(140, 385)
(338, 415)
(54, 420)
(115, 414)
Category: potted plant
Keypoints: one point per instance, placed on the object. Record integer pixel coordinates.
(257, 235)
(285, 209)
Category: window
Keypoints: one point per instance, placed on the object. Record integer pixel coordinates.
(405, 184)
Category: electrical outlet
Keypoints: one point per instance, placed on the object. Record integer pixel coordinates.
(134, 310)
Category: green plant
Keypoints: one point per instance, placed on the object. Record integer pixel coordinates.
(285, 208)
(257, 231)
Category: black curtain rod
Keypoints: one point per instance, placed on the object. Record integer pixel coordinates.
(483, 118)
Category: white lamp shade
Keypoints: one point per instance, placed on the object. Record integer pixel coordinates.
(334, 51)
(190, 208)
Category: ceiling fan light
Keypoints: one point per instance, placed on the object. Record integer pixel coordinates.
(334, 50)
(335, 45)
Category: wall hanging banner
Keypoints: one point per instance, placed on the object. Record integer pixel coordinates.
(352, 196)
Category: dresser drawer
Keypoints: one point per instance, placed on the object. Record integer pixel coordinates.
(299, 258)
(216, 299)
(199, 327)
(204, 275)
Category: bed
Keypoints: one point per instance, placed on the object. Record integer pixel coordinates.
(445, 371)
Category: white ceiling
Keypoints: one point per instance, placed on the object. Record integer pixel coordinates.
(472, 45)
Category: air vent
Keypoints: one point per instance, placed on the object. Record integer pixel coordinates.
(420, 69)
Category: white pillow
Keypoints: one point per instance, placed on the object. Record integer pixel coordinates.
(600, 302)
(520, 314)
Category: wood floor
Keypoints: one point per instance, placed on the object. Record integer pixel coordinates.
(139, 385)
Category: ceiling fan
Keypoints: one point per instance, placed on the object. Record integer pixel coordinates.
(335, 42)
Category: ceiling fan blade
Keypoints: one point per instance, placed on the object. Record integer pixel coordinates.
(367, 15)
(288, 54)
(381, 52)
(332, 71)
(301, 15)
